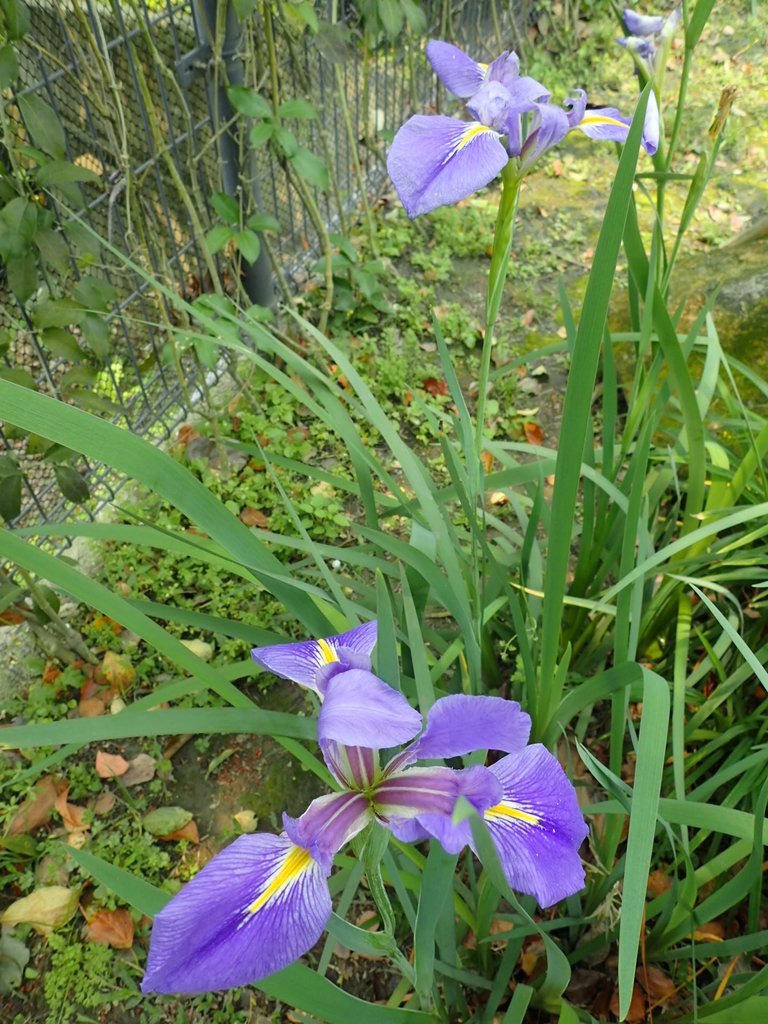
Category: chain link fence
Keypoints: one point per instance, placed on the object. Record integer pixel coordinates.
(118, 111)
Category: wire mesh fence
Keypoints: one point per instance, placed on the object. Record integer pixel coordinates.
(118, 114)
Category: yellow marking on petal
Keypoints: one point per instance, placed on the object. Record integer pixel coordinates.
(483, 67)
(593, 119)
(505, 810)
(327, 652)
(297, 861)
(468, 136)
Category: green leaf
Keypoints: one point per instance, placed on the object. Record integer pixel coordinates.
(247, 101)
(9, 66)
(62, 343)
(415, 17)
(16, 16)
(43, 125)
(311, 168)
(94, 293)
(263, 222)
(286, 140)
(164, 820)
(22, 275)
(16, 375)
(137, 721)
(642, 827)
(72, 484)
(261, 133)
(227, 207)
(10, 488)
(57, 313)
(97, 333)
(218, 237)
(60, 173)
(301, 109)
(244, 7)
(147, 899)
(302, 988)
(53, 249)
(14, 957)
(391, 14)
(248, 244)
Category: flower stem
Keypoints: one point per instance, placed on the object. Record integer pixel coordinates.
(502, 246)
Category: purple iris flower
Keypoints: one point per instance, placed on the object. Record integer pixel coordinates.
(264, 901)
(647, 33)
(437, 160)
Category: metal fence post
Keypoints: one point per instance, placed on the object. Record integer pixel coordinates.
(256, 277)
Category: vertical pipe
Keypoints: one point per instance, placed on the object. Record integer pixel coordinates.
(256, 277)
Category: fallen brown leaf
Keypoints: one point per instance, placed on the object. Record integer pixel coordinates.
(188, 832)
(254, 517)
(435, 386)
(109, 766)
(118, 671)
(658, 882)
(636, 1013)
(140, 769)
(111, 928)
(533, 433)
(36, 809)
(72, 815)
(657, 984)
(91, 707)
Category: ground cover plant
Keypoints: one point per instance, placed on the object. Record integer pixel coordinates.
(610, 584)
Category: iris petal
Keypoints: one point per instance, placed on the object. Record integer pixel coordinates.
(260, 904)
(360, 710)
(537, 826)
(608, 124)
(459, 724)
(458, 72)
(300, 662)
(436, 161)
(642, 24)
(328, 823)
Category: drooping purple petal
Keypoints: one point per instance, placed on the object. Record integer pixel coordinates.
(360, 710)
(260, 904)
(642, 24)
(537, 826)
(328, 823)
(417, 791)
(301, 662)
(640, 45)
(549, 125)
(459, 724)
(458, 72)
(608, 124)
(482, 789)
(436, 161)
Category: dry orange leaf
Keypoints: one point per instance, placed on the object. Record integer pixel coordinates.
(498, 498)
(658, 882)
(434, 386)
(51, 673)
(188, 832)
(108, 766)
(118, 670)
(254, 517)
(90, 707)
(487, 460)
(533, 433)
(657, 984)
(713, 931)
(72, 815)
(186, 434)
(636, 1014)
(36, 809)
(111, 928)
